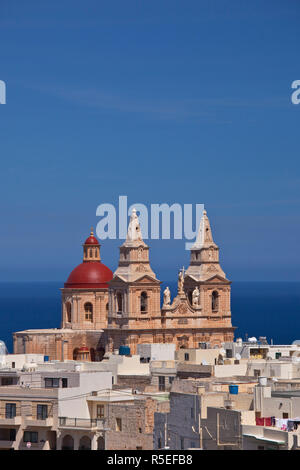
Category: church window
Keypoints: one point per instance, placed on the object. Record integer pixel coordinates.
(119, 303)
(68, 309)
(88, 310)
(144, 302)
(215, 301)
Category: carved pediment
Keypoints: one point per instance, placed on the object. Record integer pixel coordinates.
(180, 307)
(146, 279)
(117, 280)
(217, 279)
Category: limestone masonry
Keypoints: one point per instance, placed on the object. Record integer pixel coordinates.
(102, 311)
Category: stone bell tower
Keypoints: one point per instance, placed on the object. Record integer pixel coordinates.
(206, 276)
(134, 294)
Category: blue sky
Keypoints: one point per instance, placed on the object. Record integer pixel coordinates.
(162, 101)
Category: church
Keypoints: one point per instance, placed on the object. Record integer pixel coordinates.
(102, 311)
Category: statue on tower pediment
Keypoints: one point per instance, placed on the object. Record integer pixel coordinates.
(167, 296)
(196, 297)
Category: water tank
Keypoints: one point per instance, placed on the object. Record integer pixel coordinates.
(262, 381)
(233, 389)
(124, 351)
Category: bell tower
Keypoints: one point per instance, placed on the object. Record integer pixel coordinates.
(134, 292)
(205, 275)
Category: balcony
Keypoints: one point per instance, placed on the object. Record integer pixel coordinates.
(81, 423)
(6, 444)
(16, 421)
(39, 423)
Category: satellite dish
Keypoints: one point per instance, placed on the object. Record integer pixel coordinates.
(238, 356)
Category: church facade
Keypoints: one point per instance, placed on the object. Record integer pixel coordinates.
(102, 311)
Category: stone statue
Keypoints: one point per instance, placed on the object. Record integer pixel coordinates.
(196, 296)
(167, 296)
(134, 229)
(180, 282)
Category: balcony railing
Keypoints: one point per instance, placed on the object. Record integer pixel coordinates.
(35, 422)
(10, 421)
(82, 423)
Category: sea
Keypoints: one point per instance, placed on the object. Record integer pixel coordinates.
(270, 309)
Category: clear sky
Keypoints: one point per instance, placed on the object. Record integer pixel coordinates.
(162, 101)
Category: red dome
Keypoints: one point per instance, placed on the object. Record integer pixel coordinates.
(91, 241)
(93, 274)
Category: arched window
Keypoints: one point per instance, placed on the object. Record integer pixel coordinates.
(69, 312)
(215, 301)
(190, 296)
(91, 252)
(144, 302)
(119, 302)
(88, 311)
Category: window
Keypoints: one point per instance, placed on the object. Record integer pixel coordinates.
(159, 443)
(68, 311)
(88, 310)
(186, 356)
(42, 411)
(12, 434)
(215, 301)
(64, 383)
(192, 413)
(10, 410)
(161, 383)
(171, 380)
(30, 436)
(229, 353)
(52, 382)
(118, 424)
(13, 365)
(119, 303)
(7, 381)
(285, 415)
(100, 411)
(278, 355)
(144, 302)
(182, 443)
(256, 372)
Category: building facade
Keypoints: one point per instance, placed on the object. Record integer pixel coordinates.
(102, 311)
